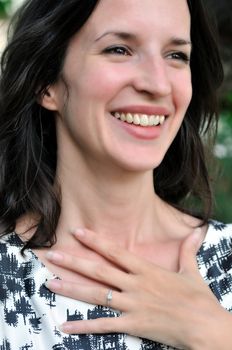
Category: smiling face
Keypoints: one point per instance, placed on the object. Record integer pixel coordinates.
(126, 84)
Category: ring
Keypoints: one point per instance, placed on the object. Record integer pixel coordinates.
(109, 297)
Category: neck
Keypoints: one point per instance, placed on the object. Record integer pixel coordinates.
(112, 201)
(97, 200)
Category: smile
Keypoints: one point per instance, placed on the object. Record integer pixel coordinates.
(140, 119)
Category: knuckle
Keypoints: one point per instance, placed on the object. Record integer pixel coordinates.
(68, 288)
(94, 240)
(69, 260)
(114, 253)
(137, 283)
(106, 326)
(100, 272)
(133, 326)
(99, 296)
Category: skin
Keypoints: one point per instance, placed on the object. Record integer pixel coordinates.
(146, 70)
(106, 175)
(186, 316)
(115, 169)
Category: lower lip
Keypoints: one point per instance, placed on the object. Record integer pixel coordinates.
(140, 132)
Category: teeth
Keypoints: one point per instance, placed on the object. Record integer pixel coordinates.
(140, 119)
(144, 120)
(162, 119)
(151, 120)
(129, 118)
(136, 120)
(157, 119)
(123, 117)
(117, 115)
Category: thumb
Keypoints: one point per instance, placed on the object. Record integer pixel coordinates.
(188, 251)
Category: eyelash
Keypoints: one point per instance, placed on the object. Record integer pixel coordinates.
(125, 51)
(181, 56)
(118, 50)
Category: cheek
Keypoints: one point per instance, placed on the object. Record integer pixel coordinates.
(183, 91)
(102, 81)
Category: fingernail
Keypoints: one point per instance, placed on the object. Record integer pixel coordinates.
(66, 328)
(79, 232)
(54, 256)
(53, 284)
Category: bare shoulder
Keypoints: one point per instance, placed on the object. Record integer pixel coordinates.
(180, 225)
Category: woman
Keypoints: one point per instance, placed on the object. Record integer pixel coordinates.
(91, 103)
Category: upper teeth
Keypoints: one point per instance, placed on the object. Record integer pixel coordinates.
(140, 119)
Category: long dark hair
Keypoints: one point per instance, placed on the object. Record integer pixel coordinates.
(33, 61)
(183, 172)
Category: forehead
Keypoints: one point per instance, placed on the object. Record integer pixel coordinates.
(143, 15)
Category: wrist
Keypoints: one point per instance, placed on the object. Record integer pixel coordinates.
(216, 333)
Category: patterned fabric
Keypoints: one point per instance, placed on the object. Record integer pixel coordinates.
(30, 314)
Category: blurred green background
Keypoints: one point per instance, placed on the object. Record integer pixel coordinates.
(4, 7)
(221, 11)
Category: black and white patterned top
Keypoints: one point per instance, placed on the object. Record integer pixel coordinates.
(30, 314)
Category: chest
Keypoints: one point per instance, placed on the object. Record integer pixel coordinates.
(162, 255)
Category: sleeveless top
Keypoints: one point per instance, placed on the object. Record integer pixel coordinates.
(30, 314)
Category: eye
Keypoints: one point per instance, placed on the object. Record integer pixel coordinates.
(118, 50)
(180, 56)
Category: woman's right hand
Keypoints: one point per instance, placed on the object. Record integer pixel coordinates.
(177, 309)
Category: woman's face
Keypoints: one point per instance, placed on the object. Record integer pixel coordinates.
(127, 83)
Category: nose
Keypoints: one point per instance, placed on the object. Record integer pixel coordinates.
(152, 77)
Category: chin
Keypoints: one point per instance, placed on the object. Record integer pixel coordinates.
(138, 165)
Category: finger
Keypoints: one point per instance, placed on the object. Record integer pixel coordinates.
(103, 273)
(92, 295)
(96, 326)
(188, 251)
(112, 252)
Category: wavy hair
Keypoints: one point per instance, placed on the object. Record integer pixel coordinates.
(32, 61)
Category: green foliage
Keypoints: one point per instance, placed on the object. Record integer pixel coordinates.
(4, 6)
(223, 191)
(229, 98)
(226, 103)
(223, 151)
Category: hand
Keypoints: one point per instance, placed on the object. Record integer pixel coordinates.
(176, 309)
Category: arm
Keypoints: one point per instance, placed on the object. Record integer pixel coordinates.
(176, 309)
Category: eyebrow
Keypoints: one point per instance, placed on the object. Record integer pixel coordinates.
(120, 35)
(129, 36)
(180, 42)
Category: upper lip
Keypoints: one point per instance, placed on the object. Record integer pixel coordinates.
(149, 110)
